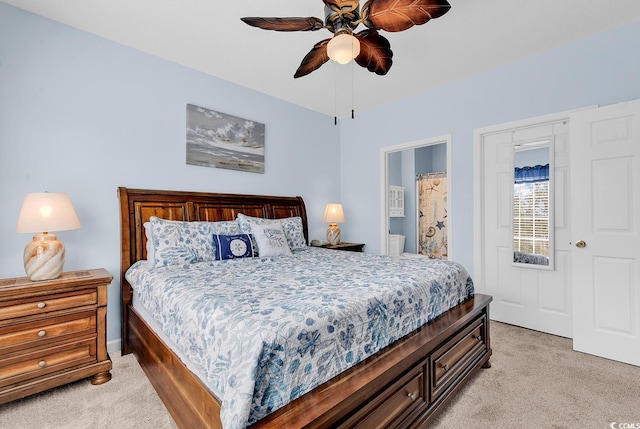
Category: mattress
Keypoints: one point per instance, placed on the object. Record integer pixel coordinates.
(261, 332)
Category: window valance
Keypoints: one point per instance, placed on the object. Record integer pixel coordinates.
(537, 173)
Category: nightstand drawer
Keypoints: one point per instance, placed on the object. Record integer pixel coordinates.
(44, 361)
(48, 303)
(46, 330)
(53, 332)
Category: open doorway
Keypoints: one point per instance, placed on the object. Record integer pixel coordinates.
(400, 167)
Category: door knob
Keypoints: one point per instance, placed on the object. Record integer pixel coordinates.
(580, 244)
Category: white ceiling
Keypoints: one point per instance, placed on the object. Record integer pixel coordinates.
(207, 35)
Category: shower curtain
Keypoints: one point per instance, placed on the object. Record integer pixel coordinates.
(432, 215)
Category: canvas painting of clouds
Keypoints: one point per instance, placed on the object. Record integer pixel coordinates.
(219, 140)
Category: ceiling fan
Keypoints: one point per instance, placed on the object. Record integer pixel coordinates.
(368, 47)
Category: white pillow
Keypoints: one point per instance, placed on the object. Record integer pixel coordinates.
(270, 239)
(292, 227)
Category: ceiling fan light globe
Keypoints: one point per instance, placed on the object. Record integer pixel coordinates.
(343, 48)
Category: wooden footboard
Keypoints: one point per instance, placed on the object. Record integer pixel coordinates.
(404, 385)
(190, 403)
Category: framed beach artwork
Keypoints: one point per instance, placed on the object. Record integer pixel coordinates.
(219, 140)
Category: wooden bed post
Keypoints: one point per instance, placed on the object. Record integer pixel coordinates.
(125, 263)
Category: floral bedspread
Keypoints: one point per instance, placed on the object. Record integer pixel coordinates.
(265, 331)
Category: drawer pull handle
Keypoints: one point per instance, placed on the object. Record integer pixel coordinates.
(42, 305)
(479, 337)
(42, 333)
(412, 396)
(42, 364)
(445, 367)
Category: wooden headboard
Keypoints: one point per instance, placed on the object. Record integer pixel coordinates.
(138, 205)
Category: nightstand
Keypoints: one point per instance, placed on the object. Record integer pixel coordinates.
(351, 247)
(53, 332)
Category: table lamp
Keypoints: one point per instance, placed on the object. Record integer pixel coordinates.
(44, 256)
(333, 213)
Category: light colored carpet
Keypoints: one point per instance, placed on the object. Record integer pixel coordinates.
(536, 381)
(127, 401)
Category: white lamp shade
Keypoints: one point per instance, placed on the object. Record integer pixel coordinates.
(333, 213)
(45, 212)
(343, 48)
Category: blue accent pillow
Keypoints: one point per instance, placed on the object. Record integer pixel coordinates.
(233, 246)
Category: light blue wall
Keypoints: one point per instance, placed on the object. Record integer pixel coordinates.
(395, 168)
(410, 207)
(83, 115)
(395, 178)
(602, 69)
(431, 159)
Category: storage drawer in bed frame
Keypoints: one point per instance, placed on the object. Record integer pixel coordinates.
(408, 401)
(455, 357)
(394, 404)
(407, 391)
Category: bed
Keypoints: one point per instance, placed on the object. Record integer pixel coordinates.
(403, 384)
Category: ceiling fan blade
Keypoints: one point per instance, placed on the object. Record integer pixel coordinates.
(342, 5)
(375, 52)
(314, 59)
(285, 24)
(399, 15)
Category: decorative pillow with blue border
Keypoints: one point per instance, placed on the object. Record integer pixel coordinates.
(271, 239)
(292, 227)
(233, 246)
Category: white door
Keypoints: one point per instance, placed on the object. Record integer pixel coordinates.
(605, 202)
(534, 297)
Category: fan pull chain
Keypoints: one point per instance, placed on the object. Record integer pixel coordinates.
(352, 91)
(335, 95)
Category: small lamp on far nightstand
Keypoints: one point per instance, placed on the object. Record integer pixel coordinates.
(44, 256)
(333, 214)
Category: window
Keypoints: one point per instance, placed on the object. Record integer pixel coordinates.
(531, 210)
